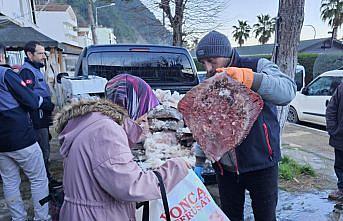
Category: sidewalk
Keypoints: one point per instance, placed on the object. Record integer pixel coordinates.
(307, 145)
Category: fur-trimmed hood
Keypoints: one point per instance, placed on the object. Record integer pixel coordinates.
(113, 111)
(73, 119)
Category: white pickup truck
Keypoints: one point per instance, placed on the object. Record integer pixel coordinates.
(162, 67)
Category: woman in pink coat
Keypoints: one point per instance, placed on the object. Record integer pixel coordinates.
(101, 180)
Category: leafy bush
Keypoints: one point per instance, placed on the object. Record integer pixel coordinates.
(307, 60)
(327, 62)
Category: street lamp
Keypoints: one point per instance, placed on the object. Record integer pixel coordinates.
(96, 11)
(314, 29)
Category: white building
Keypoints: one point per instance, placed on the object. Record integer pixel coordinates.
(85, 36)
(105, 35)
(58, 22)
(18, 12)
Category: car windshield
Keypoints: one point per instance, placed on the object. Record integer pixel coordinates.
(153, 67)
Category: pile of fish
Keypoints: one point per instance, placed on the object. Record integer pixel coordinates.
(166, 135)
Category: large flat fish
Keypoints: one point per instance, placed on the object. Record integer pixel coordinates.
(220, 113)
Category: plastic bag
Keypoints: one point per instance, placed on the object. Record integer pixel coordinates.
(188, 200)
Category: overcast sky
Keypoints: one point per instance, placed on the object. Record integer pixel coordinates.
(249, 9)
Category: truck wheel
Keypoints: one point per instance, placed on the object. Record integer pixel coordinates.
(292, 115)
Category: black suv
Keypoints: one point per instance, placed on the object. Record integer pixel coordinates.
(163, 67)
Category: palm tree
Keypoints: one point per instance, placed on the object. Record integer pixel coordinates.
(332, 11)
(264, 28)
(241, 33)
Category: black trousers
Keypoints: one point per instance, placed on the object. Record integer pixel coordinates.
(339, 167)
(43, 141)
(263, 189)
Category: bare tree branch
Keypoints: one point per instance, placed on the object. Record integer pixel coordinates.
(188, 19)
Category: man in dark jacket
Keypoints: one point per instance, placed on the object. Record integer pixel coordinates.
(334, 125)
(254, 164)
(34, 79)
(18, 146)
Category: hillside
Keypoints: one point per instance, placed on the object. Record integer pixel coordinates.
(131, 21)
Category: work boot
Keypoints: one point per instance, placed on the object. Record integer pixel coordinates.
(336, 195)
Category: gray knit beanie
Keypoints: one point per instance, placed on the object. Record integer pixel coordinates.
(214, 44)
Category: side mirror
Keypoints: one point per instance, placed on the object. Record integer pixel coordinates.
(60, 76)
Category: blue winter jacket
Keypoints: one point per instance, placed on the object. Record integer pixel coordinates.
(34, 79)
(16, 100)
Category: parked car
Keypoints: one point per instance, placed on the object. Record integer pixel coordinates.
(163, 67)
(310, 103)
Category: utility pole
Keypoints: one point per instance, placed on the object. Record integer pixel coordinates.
(91, 21)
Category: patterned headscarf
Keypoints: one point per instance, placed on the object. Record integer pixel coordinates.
(132, 93)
